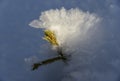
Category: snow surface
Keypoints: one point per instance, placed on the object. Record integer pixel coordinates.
(18, 41)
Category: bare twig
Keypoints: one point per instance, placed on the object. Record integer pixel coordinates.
(51, 60)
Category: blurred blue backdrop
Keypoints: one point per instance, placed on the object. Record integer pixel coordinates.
(19, 41)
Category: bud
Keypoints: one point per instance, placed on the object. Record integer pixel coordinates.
(50, 37)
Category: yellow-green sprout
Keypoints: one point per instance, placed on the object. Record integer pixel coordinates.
(50, 37)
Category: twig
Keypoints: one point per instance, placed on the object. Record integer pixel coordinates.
(51, 60)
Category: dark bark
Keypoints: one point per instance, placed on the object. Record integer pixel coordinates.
(48, 61)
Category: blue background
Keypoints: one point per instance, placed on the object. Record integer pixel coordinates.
(19, 41)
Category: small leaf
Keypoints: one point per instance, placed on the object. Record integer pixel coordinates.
(50, 37)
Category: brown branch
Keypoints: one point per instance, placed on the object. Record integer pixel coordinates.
(51, 60)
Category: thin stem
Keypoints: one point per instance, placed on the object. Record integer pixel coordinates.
(51, 60)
